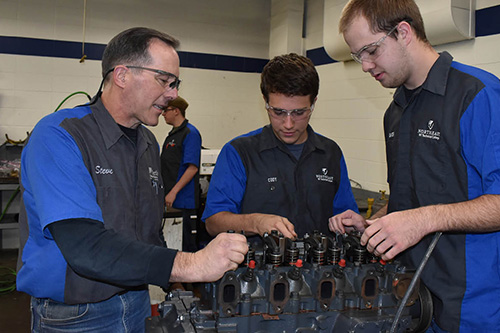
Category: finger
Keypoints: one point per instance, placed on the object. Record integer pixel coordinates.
(376, 242)
(368, 234)
(384, 246)
(337, 224)
(285, 232)
(289, 228)
(370, 222)
(237, 243)
(389, 255)
(233, 266)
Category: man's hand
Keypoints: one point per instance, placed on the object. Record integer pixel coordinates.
(170, 198)
(346, 222)
(266, 223)
(251, 224)
(391, 234)
(222, 254)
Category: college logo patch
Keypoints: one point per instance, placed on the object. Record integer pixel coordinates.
(323, 177)
(430, 124)
(429, 133)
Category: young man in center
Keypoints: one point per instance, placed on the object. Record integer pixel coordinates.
(283, 176)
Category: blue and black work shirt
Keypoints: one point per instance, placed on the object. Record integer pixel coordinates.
(181, 148)
(256, 173)
(78, 164)
(443, 146)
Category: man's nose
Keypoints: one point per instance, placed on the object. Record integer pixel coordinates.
(171, 93)
(367, 66)
(288, 121)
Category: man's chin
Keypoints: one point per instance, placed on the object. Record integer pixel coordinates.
(289, 140)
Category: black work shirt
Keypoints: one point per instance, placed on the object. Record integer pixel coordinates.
(256, 173)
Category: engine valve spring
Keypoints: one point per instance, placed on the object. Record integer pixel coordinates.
(318, 256)
(250, 256)
(359, 255)
(292, 254)
(333, 255)
(274, 258)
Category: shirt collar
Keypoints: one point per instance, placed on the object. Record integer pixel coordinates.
(438, 75)
(108, 127)
(436, 79)
(269, 140)
(177, 129)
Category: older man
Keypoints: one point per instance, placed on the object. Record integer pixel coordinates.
(92, 200)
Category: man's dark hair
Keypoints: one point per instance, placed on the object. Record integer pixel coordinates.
(291, 75)
(130, 47)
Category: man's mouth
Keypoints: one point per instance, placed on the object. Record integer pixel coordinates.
(378, 76)
(159, 107)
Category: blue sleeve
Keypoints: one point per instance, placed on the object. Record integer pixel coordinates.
(480, 139)
(344, 199)
(57, 183)
(192, 148)
(227, 185)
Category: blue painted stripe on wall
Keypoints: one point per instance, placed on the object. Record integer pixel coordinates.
(221, 62)
(319, 56)
(66, 49)
(487, 21)
(49, 48)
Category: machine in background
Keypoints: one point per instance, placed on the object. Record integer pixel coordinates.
(318, 283)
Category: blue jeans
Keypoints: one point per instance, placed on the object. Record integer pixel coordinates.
(121, 313)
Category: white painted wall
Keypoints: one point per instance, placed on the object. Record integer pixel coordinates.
(223, 104)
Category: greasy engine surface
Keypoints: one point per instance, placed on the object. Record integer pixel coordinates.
(318, 283)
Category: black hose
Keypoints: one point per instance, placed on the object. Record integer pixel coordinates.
(414, 280)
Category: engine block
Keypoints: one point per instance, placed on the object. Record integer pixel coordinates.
(318, 283)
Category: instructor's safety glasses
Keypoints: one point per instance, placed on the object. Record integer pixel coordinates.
(165, 79)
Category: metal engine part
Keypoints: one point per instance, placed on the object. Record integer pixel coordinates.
(317, 283)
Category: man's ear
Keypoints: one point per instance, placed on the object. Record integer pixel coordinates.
(120, 76)
(405, 32)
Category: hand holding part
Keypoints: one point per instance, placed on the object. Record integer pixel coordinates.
(393, 233)
(222, 254)
(268, 223)
(347, 222)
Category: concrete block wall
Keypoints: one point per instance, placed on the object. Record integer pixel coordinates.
(223, 103)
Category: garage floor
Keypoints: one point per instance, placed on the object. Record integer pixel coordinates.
(14, 305)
